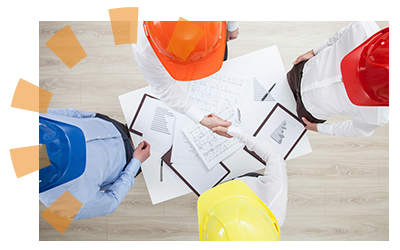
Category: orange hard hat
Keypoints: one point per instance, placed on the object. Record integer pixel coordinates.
(365, 71)
(188, 50)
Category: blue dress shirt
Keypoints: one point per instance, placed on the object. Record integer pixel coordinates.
(103, 185)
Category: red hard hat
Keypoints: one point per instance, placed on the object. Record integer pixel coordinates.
(188, 50)
(365, 71)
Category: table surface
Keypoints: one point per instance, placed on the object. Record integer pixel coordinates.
(258, 63)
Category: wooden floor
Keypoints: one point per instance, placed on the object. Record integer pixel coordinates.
(338, 192)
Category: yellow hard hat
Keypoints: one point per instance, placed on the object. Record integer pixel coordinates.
(232, 211)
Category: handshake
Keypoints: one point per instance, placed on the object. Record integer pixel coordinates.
(213, 122)
(216, 124)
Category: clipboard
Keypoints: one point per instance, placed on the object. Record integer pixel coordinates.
(275, 130)
(137, 114)
(167, 159)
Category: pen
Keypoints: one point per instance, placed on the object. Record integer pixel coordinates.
(269, 91)
(238, 112)
(161, 171)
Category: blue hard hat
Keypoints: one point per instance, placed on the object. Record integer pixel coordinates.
(66, 149)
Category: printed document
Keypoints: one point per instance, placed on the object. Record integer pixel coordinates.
(220, 95)
(156, 121)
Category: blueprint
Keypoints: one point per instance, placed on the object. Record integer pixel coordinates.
(220, 95)
(216, 91)
(211, 147)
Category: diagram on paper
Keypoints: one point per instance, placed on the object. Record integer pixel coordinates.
(160, 123)
(215, 91)
(260, 90)
(282, 131)
(212, 148)
(218, 94)
(262, 84)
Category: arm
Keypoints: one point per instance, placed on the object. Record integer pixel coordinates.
(232, 25)
(271, 188)
(175, 97)
(343, 129)
(348, 128)
(104, 203)
(163, 85)
(364, 124)
(275, 178)
(232, 30)
(333, 39)
(317, 48)
(265, 150)
(330, 41)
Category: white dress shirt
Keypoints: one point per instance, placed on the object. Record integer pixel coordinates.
(272, 188)
(323, 92)
(160, 81)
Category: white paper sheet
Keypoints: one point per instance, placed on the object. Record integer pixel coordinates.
(216, 91)
(254, 110)
(187, 162)
(199, 176)
(262, 84)
(157, 122)
(183, 151)
(218, 94)
(211, 147)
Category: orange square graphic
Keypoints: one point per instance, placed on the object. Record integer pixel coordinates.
(122, 31)
(124, 23)
(67, 47)
(44, 100)
(30, 97)
(25, 160)
(185, 38)
(62, 211)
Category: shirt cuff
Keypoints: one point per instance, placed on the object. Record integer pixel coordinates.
(234, 131)
(232, 25)
(325, 128)
(319, 47)
(133, 166)
(195, 113)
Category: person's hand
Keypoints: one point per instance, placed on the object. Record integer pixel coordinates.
(232, 35)
(310, 125)
(142, 151)
(212, 121)
(304, 57)
(221, 130)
